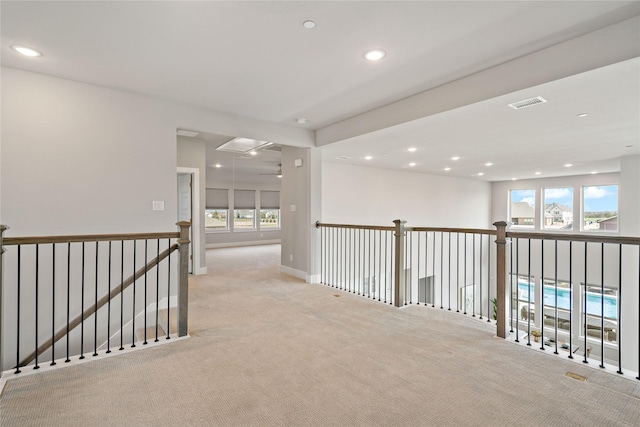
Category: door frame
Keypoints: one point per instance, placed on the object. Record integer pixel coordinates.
(196, 224)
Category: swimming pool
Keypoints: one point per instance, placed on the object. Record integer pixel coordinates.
(594, 301)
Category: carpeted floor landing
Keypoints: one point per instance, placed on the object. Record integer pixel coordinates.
(267, 349)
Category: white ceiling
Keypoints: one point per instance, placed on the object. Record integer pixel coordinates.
(256, 59)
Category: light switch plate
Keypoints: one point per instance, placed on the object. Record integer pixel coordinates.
(158, 205)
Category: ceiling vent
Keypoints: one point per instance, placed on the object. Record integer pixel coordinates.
(527, 102)
(343, 158)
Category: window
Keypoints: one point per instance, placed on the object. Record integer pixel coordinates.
(524, 296)
(564, 304)
(600, 208)
(216, 219)
(217, 209)
(269, 209)
(243, 219)
(244, 209)
(558, 208)
(599, 302)
(523, 203)
(269, 218)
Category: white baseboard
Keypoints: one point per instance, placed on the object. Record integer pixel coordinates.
(293, 272)
(200, 271)
(238, 244)
(309, 278)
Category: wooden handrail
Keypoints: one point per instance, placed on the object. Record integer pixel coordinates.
(101, 302)
(407, 228)
(455, 230)
(42, 240)
(354, 226)
(590, 238)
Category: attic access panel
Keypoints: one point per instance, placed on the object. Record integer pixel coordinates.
(242, 145)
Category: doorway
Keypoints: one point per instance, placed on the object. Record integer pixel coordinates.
(188, 208)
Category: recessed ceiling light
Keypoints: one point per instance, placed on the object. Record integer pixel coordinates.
(488, 164)
(309, 24)
(593, 173)
(514, 179)
(411, 149)
(537, 173)
(568, 165)
(582, 115)
(447, 169)
(301, 120)
(480, 173)
(368, 157)
(455, 158)
(253, 153)
(412, 164)
(218, 165)
(26, 51)
(375, 54)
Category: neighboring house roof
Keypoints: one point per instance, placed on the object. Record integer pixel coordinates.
(521, 210)
(610, 219)
(551, 206)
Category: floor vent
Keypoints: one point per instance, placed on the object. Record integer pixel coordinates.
(576, 376)
(527, 102)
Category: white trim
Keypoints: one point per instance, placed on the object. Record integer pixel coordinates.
(293, 272)
(198, 269)
(313, 278)
(238, 244)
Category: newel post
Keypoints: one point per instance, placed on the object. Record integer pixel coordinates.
(398, 279)
(183, 278)
(2, 229)
(501, 278)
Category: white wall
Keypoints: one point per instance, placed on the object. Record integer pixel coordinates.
(369, 196)
(629, 195)
(78, 158)
(297, 213)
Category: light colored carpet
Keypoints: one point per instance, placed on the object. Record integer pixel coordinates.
(269, 350)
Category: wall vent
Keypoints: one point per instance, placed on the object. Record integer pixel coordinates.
(527, 102)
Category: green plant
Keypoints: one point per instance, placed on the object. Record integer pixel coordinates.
(495, 308)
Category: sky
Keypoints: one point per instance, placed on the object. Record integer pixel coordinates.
(596, 198)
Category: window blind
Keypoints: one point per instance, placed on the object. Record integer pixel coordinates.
(244, 199)
(269, 199)
(217, 198)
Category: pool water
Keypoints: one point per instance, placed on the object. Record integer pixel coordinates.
(594, 301)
